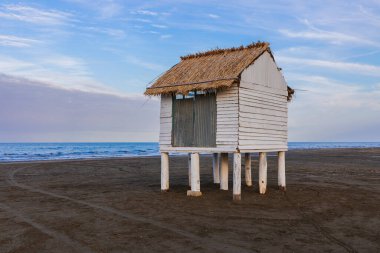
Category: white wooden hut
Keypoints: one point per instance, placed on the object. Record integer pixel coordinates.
(224, 101)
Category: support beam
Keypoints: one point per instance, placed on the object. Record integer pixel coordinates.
(195, 177)
(263, 172)
(248, 170)
(215, 168)
(237, 177)
(164, 171)
(189, 167)
(281, 171)
(224, 171)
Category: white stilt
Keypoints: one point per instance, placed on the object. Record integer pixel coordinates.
(281, 171)
(263, 172)
(189, 167)
(215, 168)
(164, 171)
(237, 177)
(195, 177)
(224, 171)
(248, 170)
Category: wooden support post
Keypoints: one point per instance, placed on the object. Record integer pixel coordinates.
(237, 177)
(248, 170)
(215, 168)
(224, 171)
(195, 177)
(263, 172)
(164, 171)
(189, 167)
(281, 171)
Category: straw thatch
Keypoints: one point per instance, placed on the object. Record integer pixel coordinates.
(215, 69)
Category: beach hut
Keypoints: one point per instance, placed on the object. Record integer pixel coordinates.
(224, 101)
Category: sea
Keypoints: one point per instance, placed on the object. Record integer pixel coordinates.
(18, 152)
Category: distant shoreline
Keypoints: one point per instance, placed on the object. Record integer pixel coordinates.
(174, 154)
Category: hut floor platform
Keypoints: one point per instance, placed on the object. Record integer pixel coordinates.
(115, 205)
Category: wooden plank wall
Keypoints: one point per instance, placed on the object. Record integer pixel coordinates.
(227, 118)
(166, 121)
(263, 111)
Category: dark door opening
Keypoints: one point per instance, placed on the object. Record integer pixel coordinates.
(194, 120)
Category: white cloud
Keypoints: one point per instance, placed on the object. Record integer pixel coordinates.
(10, 65)
(357, 68)
(60, 71)
(330, 37)
(110, 9)
(159, 26)
(330, 110)
(142, 20)
(144, 64)
(151, 32)
(15, 41)
(213, 16)
(33, 15)
(106, 8)
(146, 12)
(116, 33)
(65, 62)
(165, 36)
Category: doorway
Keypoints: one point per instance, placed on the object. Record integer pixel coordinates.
(194, 120)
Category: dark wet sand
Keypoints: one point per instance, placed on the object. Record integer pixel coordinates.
(332, 204)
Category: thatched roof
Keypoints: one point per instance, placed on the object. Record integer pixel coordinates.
(219, 68)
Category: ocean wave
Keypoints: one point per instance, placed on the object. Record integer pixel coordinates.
(52, 151)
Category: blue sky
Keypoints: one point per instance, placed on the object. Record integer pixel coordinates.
(84, 50)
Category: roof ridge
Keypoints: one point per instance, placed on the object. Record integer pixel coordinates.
(225, 50)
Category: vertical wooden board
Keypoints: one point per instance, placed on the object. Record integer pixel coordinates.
(281, 170)
(248, 169)
(205, 121)
(227, 117)
(195, 177)
(237, 176)
(164, 171)
(216, 168)
(263, 172)
(183, 119)
(223, 171)
(165, 120)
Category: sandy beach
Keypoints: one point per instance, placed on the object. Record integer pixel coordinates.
(332, 204)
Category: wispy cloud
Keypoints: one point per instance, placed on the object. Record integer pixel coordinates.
(357, 68)
(142, 20)
(116, 33)
(144, 64)
(329, 37)
(15, 41)
(60, 71)
(159, 26)
(214, 16)
(30, 14)
(166, 36)
(146, 12)
(331, 110)
(106, 8)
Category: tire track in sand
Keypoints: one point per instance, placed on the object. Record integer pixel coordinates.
(319, 228)
(77, 246)
(205, 242)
